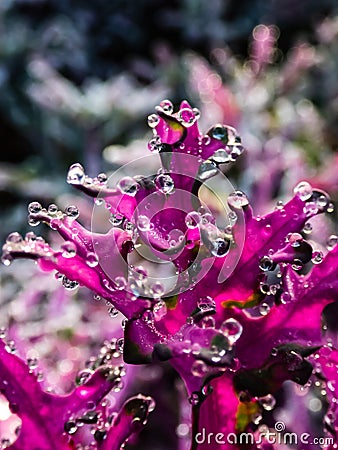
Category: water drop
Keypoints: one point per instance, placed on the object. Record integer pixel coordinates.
(69, 284)
(92, 259)
(199, 368)
(155, 144)
(68, 249)
(332, 242)
(33, 222)
(143, 223)
(220, 156)
(72, 212)
(70, 427)
(310, 209)
(128, 186)
(165, 183)
(268, 402)
(232, 329)
(206, 170)
(159, 310)
(113, 312)
(266, 264)
(208, 322)
(238, 200)
(116, 219)
(187, 117)
(303, 190)
(219, 132)
(317, 257)
(194, 399)
(34, 208)
(153, 120)
(157, 289)
(307, 229)
(167, 106)
(264, 309)
(120, 283)
(220, 247)
(14, 238)
(192, 219)
(52, 210)
(76, 174)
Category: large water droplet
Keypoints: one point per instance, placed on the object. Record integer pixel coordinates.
(34, 207)
(116, 219)
(143, 223)
(165, 183)
(332, 242)
(167, 106)
(76, 174)
(220, 247)
(128, 185)
(69, 284)
(303, 190)
(266, 263)
(68, 249)
(232, 329)
(153, 120)
(317, 257)
(187, 117)
(192, 219)
(72, 211)
(206, 170)
(264, 309)
(14, 238)
(268, 402)
(238, 200)
(199, 368)
(92, 259)
(120, 283)
(219, 132)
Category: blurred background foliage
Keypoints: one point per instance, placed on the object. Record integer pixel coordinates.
(77, 76)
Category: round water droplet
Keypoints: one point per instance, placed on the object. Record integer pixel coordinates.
(128, 186)
(266, 264)
(76, 174)
(34, 208)
(332, 242)
(14, 238)
(92, 259)
(32, 222)
(199, 368)
(157, 289)
(268, 402)
(155, 144)
(317, 257)
(238, 200)
(187, 117)
(220, 247)
(120, 283)
(116, 219)
(192, 219)
(167, 106)
(208, 322)
(6, 259)
(153, 120)
(165, 183)
(303, 190)
(52, 210)
(330, 208)
(295, 239)
(285, 297)
(113, 312)
(68, 249)
(264, 309)
(297, 264)
(310, 209)
(220, 156)
(307, 229)
(159, 310)
(219, 132)
(206, 170)
(70, 427)
(102, 178)
(194, 399)
(232, 329)
(69, 284)
(143, 223)
(72, 211)
(32, 363)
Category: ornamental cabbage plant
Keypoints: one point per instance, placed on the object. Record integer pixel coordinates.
(241, 306)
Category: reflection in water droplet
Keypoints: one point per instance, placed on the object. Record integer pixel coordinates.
(76, 174)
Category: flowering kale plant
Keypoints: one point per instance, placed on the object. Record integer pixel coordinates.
(241, 306)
